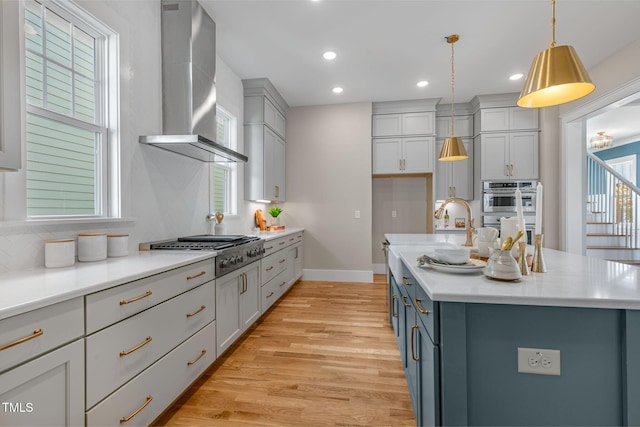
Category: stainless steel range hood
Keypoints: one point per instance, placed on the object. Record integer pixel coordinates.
(188, 85)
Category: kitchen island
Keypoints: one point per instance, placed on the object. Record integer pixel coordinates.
(459, 336)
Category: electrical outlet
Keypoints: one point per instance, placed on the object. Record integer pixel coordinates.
(357, 214)
(394, 214)
(538, 361)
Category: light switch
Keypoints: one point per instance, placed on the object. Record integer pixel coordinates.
(394, 214)
(357, 215)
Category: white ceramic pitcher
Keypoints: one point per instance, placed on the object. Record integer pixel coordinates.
(487, 238)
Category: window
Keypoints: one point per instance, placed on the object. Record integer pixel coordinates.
(223, 175)
(71, 75)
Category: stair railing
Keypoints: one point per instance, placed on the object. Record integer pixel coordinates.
(614, 198)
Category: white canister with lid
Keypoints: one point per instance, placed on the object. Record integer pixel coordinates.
(59, 253)
(92, 247)
(117, 245)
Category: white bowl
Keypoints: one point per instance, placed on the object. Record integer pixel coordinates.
(453, 255)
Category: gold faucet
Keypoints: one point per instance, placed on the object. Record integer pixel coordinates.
(470, 227)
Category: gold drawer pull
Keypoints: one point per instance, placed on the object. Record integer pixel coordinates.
(196, 312)
(128, 301)
(405, 280)
(393, 307)
(202, 273)
(281, 243)
(282, 260)
(139, 346)
(404, 301)
(270, 295)
(270, 268)
(291, 239)
(419, 307)
(270, 247)
(194, 361)
(282, 284)
(137, 411)
(35, 334)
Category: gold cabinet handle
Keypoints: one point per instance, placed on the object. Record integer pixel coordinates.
(194, 361)
(269, 268)
(35, 334)
(404, 301)
(270, 295)
(405, 280)
(137, 411)
(269, 248)
(281, 261)
(393, 307)
(291, 239)
(281, 243)
(134, 299)
(202, 273)
(296, 252)
(277, 191)
(282, 284)
(138, 347)
(413, 353)
(197, 311)
(419, 307)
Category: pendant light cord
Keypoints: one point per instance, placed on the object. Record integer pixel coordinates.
(553, 23)
(452, 86)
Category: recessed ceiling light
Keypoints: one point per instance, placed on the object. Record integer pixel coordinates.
(329, 55)
(337, 90)
(516, 76)
(422, 83)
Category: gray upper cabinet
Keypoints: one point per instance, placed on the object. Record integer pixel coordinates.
(11, 99)
(404, 124)
(264, 141)
(508, 119)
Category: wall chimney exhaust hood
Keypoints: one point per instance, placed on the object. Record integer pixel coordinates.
(189, 123)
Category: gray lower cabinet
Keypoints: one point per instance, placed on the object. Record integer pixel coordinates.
(47, 391)
(237, 303)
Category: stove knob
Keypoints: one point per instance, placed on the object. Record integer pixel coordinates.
(224, 263)
(251, 253)
(232, 260)
(240, 258)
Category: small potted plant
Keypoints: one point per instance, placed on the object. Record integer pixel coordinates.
(274, 212)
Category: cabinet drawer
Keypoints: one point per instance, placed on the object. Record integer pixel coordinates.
(160, 384)
(427, 312)
(275, 245)
(292, 239)
(270, 293)
(112, 305)
(118, 353)
(30, 334)
(273, 265)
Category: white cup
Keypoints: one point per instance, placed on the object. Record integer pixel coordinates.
(117, 245)
(59, 253)
(486, 248)
(92, 247)
(487, 237)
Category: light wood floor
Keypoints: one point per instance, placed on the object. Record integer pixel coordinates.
(324, 355)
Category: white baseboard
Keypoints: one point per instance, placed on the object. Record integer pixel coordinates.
(337, 275)
(379, 268)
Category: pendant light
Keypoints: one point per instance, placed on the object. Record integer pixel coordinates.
(453, 148)
(557, 75)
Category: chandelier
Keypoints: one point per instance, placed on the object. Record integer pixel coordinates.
(601, 141)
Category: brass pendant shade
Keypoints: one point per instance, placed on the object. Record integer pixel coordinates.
(556, 77)
(453, 148)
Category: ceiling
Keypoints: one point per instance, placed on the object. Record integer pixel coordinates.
(385, 47)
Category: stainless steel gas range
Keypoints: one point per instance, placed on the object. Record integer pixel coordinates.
(233, 251)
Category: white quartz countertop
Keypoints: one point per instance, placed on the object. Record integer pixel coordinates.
(270, 235)
(570, 281)
(28, 290)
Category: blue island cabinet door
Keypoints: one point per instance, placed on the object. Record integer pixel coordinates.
(428, 410)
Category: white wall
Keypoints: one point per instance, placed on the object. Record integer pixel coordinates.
(328, 179)
(164, 195)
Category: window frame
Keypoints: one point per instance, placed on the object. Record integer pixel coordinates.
(106, 123)
(231, 168)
